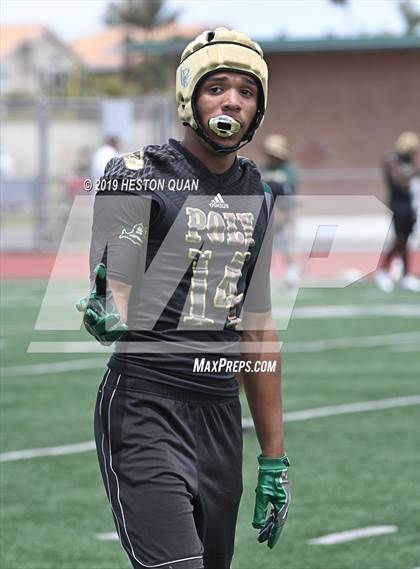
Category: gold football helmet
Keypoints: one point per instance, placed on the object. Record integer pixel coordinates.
(213, 51)
(407, 143)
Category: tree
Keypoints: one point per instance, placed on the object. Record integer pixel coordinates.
(155, 72)
(141, 13)
(411, 16)
(409, 10)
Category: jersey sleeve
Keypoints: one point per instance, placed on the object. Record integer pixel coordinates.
(121, 223)
(258, 289)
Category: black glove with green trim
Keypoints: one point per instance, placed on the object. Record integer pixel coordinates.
(272, 488)
(101, 318)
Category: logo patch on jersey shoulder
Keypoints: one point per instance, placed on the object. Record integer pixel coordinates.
(134, 160)
(136, 235)
(218, 201)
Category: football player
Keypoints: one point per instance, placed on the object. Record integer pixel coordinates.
(280, 174)
(180, 261)
(400, 167)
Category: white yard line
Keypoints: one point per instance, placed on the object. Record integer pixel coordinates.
(330, 539)
(317, 311)
(304, 415)
(86, 347)
(351, 535)
(52, 367)
(299, 313)
(405, 341)
(405, 348)
(344, 409)
(111, 536)
(74, 347)
(16, 329)
(350, 311)
(18, 301)
(11, 301)
(352, 342)
(7, 302)
(29, 328)
(48, 451)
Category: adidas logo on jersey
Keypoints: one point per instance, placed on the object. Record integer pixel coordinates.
(218, 201)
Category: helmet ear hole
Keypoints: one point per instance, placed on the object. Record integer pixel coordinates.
(210, 36)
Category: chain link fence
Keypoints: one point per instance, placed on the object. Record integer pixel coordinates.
(47, 146)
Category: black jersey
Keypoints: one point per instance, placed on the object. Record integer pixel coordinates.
(398, 171)
(188, 241)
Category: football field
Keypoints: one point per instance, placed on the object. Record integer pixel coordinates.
(350, 367)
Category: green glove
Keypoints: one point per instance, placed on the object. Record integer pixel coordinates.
(101, 318)
(272, 487)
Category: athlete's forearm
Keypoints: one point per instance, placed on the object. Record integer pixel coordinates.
(121, 293)
(263, 392)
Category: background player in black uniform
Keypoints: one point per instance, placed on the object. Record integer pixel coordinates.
(185, 249)
(280, 174)
(400, 167)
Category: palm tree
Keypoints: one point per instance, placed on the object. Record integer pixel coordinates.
(142, 14)
(409, 10)
(411, 16)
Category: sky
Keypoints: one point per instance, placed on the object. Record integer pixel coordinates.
(264, 19)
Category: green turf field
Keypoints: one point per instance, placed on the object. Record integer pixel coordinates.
(349, 471)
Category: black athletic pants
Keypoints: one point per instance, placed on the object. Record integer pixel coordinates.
(171, 462)
(404, 219)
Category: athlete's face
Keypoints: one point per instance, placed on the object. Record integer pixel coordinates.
(227, 93)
